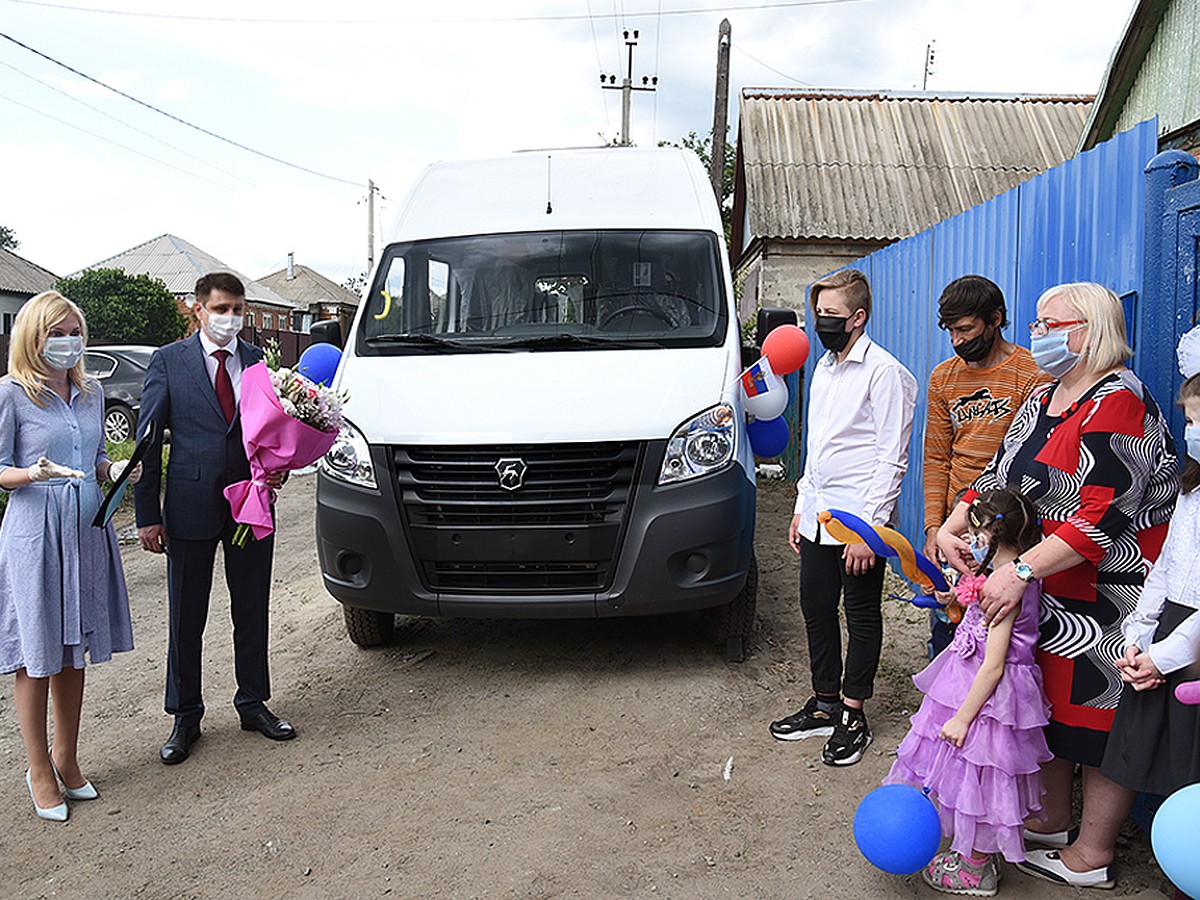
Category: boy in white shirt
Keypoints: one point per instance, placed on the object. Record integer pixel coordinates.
(859, 420)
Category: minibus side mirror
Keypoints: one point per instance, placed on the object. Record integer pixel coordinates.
(328, 331)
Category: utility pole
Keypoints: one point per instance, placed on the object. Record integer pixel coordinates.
(928, 64)
(609, 82)
(370, 226)
(716, 165)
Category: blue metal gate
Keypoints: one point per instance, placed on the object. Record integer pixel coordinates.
(1082, 221)
(1172, 255)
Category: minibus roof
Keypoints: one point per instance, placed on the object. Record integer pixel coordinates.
(556, 190)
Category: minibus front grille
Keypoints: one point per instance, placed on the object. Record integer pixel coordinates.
(555, 528)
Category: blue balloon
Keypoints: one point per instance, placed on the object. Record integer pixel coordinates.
(897, 829)
(319, 363)
(1173, 837)
(768, 437)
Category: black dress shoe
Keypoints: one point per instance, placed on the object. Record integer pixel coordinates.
(269, 725)
(179, 745)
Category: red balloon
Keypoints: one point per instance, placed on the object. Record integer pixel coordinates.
(786, 349)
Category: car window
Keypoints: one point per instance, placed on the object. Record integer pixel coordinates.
(98, 365)
(138, 355)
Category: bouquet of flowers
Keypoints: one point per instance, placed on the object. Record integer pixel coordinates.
(288, 422)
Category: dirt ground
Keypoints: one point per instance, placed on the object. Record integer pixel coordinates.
(476, 758)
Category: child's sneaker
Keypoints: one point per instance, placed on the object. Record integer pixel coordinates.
(811, 721)
(953, 873)
(850, 739)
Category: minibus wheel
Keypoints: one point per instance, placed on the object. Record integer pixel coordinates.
(733, 623)
(368, 627)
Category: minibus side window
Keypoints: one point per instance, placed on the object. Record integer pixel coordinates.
(386, 303)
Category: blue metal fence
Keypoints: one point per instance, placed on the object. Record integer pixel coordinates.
(1081, 221)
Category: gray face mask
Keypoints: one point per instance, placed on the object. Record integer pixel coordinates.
(63, 352)
(1052, 355)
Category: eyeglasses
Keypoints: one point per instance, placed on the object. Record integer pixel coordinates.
(1042, 327)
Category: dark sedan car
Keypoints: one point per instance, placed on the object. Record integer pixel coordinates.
(121, 369)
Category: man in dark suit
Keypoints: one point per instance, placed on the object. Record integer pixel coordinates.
(192, 389)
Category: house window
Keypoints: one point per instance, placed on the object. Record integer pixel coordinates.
(249, 320)
(268, 320)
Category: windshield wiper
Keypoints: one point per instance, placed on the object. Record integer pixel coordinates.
(428, 341)
(570, 341)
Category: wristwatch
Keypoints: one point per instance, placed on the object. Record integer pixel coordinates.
(1023, 571)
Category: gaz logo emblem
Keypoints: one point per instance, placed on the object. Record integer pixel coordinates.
(512, 473)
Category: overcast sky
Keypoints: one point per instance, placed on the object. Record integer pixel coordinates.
(364, 89)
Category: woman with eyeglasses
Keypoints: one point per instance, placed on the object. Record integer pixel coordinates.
(1094, 454)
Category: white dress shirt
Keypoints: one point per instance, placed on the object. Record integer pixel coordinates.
(233, 364)
(1175, 577)
(859, 420)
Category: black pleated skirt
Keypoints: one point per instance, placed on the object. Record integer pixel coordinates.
(1154, 746)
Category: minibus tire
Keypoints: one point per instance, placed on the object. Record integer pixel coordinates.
(732, 624)
(368, 627)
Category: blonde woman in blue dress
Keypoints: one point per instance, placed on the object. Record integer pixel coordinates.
(62, 588)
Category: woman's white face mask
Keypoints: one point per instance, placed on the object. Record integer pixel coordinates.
(62, 353)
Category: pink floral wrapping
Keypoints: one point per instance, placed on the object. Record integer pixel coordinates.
(274, 442)
(968, 588)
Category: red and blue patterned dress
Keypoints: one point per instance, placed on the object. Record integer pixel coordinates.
(1103, 478)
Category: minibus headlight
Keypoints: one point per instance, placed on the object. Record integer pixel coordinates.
(700, 446)
(349, 459)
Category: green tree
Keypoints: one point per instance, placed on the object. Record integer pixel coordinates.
(8, 238)
(354, 284)
(121, 308)
(702, 147)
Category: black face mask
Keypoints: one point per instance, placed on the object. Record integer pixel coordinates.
(978, 347)
(831, 330)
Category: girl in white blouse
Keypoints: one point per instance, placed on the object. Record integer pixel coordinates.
(1155, 741)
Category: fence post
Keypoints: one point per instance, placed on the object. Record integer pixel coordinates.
(1154, 350)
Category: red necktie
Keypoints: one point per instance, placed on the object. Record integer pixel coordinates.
(225, 387)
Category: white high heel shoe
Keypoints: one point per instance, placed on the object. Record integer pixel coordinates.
(51, 814)
(87, 792)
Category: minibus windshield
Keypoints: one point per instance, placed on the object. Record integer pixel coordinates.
(552, 290)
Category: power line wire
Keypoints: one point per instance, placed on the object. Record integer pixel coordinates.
(565, 17)
(120, 121)
(742, 49)
(110, 141)
(172, 116)
(599, 64)
(657, 56)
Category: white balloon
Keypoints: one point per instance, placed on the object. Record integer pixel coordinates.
(770, 396)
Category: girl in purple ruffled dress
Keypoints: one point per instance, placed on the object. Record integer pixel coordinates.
(976, 743)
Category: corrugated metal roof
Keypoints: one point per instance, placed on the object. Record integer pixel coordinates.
(179, 263)
(307, 287)
(882, 166)
(20, 276)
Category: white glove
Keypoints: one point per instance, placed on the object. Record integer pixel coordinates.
(115, 469)
(44, 470)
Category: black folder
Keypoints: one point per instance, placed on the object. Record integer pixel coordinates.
(116, 490)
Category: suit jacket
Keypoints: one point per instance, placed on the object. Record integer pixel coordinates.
(206, 453)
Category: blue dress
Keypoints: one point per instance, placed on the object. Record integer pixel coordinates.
(62, 588)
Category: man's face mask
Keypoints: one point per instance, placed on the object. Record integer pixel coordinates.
(978, 347)
(831, 330)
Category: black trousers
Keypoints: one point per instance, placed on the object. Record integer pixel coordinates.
(823, 580)
(189, 583)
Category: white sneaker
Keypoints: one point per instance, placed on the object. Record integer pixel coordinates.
(1046, 864)
(1053, 839)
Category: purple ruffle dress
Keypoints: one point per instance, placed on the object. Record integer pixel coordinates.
(988, 787)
